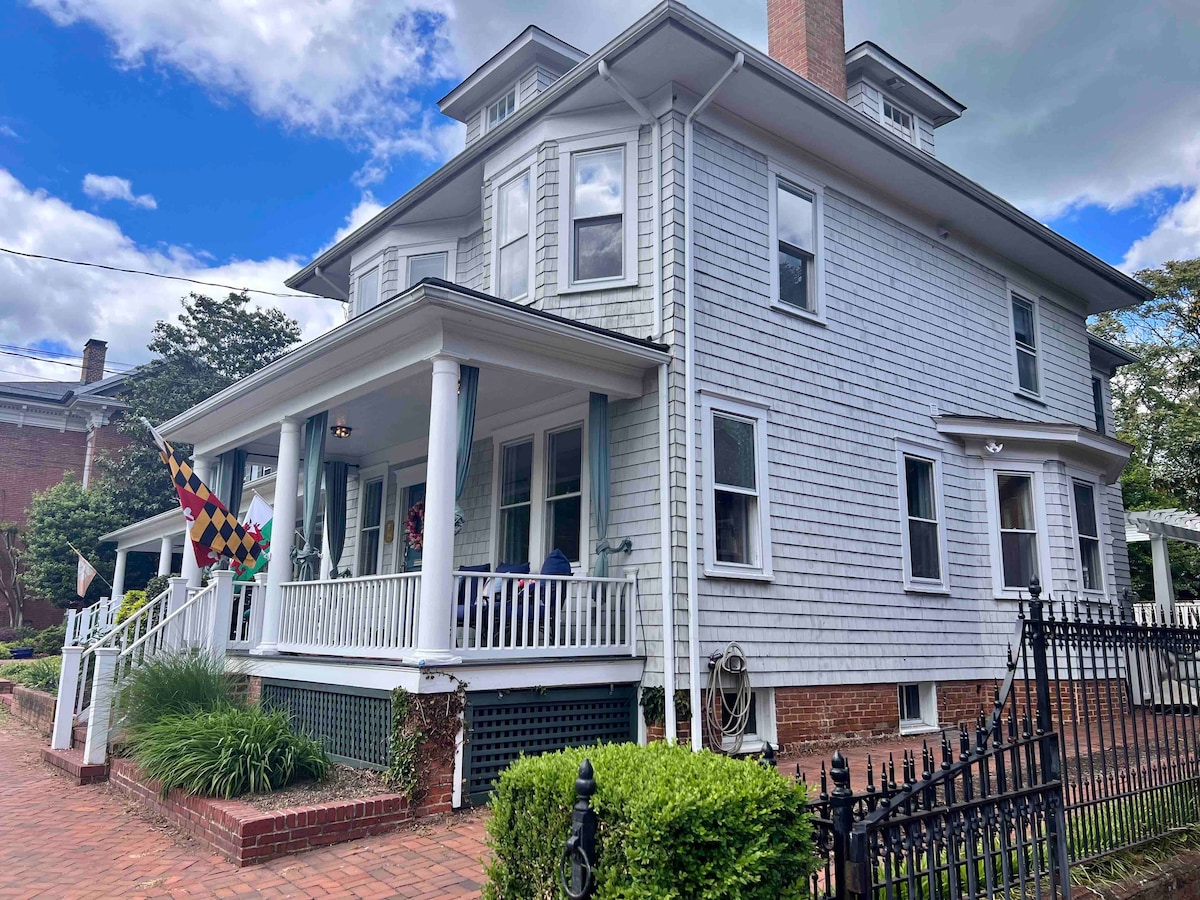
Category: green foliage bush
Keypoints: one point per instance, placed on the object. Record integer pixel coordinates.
(156, 586)
(50, 640)
(672, 824)
(177, 684)
(39, 674)
(5, 653)
(131, 603)
(227, 752)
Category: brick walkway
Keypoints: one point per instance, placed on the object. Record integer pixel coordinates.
(60, 841)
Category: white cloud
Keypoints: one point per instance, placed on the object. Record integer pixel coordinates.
(47, 301)
(364, 211)
(113, 187)
(1176, 235)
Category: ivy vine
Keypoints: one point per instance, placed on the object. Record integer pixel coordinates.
(654, 708)
(424, 734)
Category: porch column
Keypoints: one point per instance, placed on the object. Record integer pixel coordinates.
(279, 569)
(164, 556)
(202, 467)
(118, 585)
(437, 561)
(1164, 589)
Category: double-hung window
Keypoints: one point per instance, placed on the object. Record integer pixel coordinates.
(516, 501)
(598, 214)
(1018, 529)
(367, 289)
(426, 265)
(795, 211)
(737, 539)
(502, 109)
(1025, 340)
(369, 531)
(1087, 532)
(512, 239)
(564, 491)
(1098, 403)
(923, 520)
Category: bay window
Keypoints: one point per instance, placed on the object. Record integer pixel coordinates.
(426, 265)
(1087, 535)
(366, 291)
(597, 214)
(512, 244)
(1018, 525)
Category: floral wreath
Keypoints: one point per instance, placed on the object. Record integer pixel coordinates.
(414, 525)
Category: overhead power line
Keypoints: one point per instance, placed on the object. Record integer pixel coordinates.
(93, 265)
(58, 362)
(74, 357)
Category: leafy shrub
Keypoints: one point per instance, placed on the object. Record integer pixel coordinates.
(131, 603)
(672, 824)
(39, 674)
(227, 752)
(50, 640)
(156, 586)
(17, 636)
(176, 684)
(5, 653)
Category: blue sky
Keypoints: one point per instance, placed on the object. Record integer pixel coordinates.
(232, 143)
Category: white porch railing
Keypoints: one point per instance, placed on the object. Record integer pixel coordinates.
(1186, 614)
(245, 630)
(85, 625)
(523, 616)
(373, 616)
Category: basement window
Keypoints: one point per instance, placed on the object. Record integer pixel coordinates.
(918, 707)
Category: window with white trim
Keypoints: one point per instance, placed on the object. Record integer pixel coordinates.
(564, 492)
(1098, 403)
(918, 706)
(370, 527)
(1018, 529)
(598, 214)
(1087, 535)
(796, 245)
(1025, 343)
(366, 291)
(516, 501)
(897, 120)
(426, 265)
(737, 539)
(923, 513)
(502, 109)
(513, 267)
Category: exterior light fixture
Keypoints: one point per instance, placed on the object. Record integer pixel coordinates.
(340, 431)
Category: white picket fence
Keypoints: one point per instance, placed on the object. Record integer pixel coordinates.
(373, 616)
(177, 620)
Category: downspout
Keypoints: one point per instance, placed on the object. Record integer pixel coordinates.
(670, 726)
(689, 330)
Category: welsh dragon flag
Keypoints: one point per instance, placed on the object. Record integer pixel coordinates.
(258, 524)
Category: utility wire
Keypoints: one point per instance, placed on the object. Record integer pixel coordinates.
(93, 265)
(58, 362)
(71, 356)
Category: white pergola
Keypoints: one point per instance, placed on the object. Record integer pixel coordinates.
(1158, 526)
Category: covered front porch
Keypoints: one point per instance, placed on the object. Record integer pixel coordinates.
(444, 464)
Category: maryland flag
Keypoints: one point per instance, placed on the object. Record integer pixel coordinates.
(215, 532)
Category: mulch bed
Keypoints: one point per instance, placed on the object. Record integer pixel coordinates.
(343, 783)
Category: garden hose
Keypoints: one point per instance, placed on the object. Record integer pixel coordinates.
(727, 702)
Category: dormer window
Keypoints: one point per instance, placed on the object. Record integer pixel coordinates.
(502, 109)
(897, 120)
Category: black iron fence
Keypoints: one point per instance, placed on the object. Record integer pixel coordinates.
(1092, 747)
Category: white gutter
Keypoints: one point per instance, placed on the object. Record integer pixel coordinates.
(666, 579)
(689, 330)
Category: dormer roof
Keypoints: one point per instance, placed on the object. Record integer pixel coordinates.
(531, 47)
(916, 92)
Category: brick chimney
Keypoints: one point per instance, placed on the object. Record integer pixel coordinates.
(809, 37)
(94, 352)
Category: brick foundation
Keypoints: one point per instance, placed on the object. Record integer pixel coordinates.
(35, 708)
(246, 835)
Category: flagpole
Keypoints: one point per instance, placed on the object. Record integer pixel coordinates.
(90, 563)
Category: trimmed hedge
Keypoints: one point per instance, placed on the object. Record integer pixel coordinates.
(673, 824)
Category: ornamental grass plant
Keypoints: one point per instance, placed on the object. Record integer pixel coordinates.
(177, 684)
(672, 823)
(39, 674)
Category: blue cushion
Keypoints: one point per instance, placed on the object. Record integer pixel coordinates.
(512, 569)
(556, 564)
(485, 567)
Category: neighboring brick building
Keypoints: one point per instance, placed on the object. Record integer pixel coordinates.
(49, 428)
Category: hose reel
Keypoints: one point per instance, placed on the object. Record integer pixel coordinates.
(728, 704)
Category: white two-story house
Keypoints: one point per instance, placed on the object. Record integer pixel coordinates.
(690, 345)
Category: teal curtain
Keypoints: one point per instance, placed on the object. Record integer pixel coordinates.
(468, 391)
(335, 510)
(598, 464)
(314, 457)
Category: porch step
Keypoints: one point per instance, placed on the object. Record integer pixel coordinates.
(71, 762)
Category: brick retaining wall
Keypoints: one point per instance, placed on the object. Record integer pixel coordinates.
(35, 708)
(246, 835)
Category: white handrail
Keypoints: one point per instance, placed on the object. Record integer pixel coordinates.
(368, 616)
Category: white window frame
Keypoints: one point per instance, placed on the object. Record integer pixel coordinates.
(627, 139)
(539, 430)
(1044, 569)
(1035, 301)
(894, 127)
(408, 260)
(515, 90)
(816, 189)
(526, 166)
(403, 477)
(1099, 501)
(929, 708)
(917, 451)
(375, 473)
(374, 265)
(765, 725)
(762, 569)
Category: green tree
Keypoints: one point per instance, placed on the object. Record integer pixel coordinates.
(1156, 407)
(59, 517)
(215, 343)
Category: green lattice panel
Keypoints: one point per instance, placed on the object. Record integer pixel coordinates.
(503, 725)
(352, 723)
